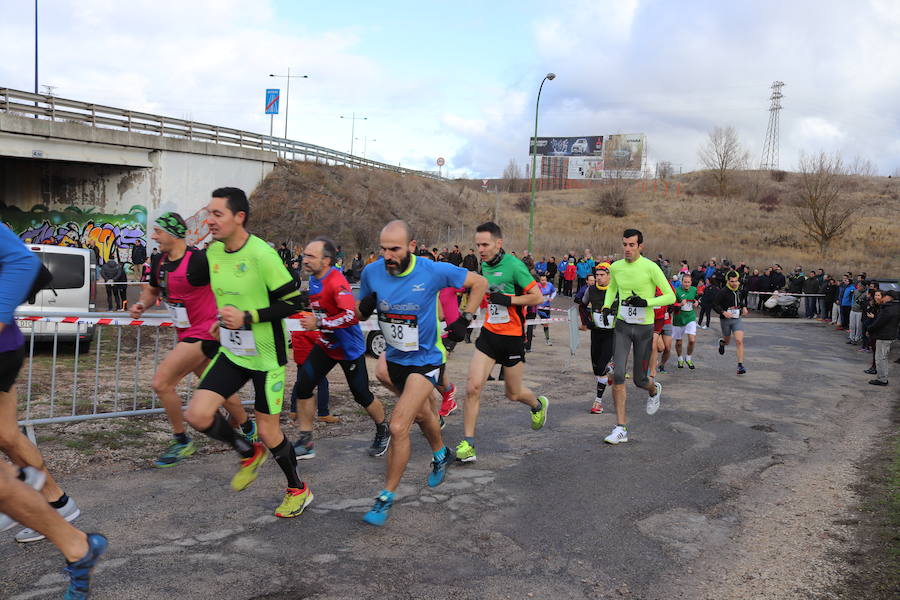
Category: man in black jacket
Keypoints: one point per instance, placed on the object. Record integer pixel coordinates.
(470, 261)
(884, 331)
(811, 286)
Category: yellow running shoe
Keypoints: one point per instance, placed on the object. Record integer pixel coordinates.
(294, 502)
(249, 468)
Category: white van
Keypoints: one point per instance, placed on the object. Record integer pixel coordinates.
(72, 290)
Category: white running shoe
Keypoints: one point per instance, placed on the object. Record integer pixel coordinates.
(653, 401)
(34, 478)
(618, 435)
(69, 511)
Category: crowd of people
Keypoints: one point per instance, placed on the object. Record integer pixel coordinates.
(229, 303)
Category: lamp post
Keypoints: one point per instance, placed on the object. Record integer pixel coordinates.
(366, 144)
(353, 121)
(551, 77)
(287, 96)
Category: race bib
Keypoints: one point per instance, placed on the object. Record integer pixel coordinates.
(400, 331)
(497, 314)
(735, 313)
(633, 314)
(179, 315)
(598, 321)
(239, 341)
(687, 306)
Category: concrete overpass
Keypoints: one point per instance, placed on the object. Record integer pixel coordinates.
(69, 168)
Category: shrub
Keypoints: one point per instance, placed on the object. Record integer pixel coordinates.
(613, 201)
(523, 203)
(779, 176)
(769, 202)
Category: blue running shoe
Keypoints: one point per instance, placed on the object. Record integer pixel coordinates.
(380, 512)
(251, 437)
(439, 468)
(80, 570)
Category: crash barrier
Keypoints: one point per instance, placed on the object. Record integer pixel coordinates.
(109, 368)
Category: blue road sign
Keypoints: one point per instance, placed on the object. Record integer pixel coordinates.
(272, 97)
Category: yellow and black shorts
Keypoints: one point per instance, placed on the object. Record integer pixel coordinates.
(226, 378)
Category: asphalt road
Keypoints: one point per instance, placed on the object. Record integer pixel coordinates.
(548, 514)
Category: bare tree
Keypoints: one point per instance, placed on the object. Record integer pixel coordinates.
(861, 166)
(822, 210)
(722, 155)
(664, 169)
(512, 176)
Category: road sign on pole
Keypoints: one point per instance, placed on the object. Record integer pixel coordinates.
(272, 97)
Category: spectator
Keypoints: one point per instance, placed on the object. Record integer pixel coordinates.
(811, 286)
(832, 308)
(284, 253)
(138, 253)
(455, 258)
(110, 271)
(857, 304)
(528, 260)
(569, 277)
(776, 279)
(540, 267)
(470, 261)
(846, 305)
(883, 329)
(551, 269)
(583, 268)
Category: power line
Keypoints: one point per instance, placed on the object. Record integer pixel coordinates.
(770, 147)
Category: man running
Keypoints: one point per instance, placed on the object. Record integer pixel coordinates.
(180, 275)
(548, 293)
(254, 293)
(731, 308)
(50, 512)
(341, 342)
(633, 280)
(405, 289)
(684, 323)
(502, 337)
(602, 332)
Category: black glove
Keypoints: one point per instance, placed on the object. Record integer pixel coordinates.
(634, 301)
(456, 330)
(304, 301)
(605, 314)
(449, 344)
(367, 305)
(500, 299)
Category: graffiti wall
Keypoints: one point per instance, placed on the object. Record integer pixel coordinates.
(113, 235)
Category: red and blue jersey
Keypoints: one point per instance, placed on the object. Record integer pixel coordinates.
(333, 304)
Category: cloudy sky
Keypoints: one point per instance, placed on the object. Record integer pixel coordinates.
(459, 79)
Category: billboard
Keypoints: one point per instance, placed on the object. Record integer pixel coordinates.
(623, 154)
(587, 145)
(587, 167)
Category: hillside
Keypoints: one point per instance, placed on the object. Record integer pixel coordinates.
(300, 200)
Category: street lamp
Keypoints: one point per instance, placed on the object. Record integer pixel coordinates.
(366, 144)
(287, 96)
(551, 77)
(353, 121)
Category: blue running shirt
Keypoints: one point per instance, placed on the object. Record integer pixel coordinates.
(407, 308)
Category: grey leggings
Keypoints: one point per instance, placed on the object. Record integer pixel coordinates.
(641, 338)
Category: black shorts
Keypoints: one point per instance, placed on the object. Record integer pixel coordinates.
(10, 364)
(508, 350)
(317, 366)
(209, 347)
(226, 378)
(400, 373)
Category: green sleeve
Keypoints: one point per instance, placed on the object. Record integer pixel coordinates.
(281, 286)
(523, 277)
(659, 279)
(611, 290)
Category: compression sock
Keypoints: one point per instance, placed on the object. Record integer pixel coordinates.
(287, 460)
(60, 502)
(440, 454)
(247, 426)
(182, 438)
(382, 427)
(305, 437)
(601, 387)
(604, 380)
(470, 440)
(222, 431)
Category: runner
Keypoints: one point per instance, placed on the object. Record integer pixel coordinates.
(254, 293)
(548, 293)
(341, 342)
(662, 337)
(602, 332)
(50, 512)
(405, 289)
(634, 280)
(502, 337)
(180, 275)
(731, 308)
(685, 321)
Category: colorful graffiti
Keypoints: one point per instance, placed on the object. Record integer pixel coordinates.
(112, 235)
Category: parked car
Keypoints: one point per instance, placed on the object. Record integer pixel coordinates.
(72, 290)
(888, 284)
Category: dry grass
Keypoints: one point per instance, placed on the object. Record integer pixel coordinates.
(300, 200)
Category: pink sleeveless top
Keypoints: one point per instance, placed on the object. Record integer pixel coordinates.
(199, 301)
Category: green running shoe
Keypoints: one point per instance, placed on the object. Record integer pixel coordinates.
(690, 364)
(680, 364)
(251, 437)
(540, 417)
(175, 454)
(465, 452)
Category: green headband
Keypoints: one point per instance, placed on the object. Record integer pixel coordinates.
(173, 224)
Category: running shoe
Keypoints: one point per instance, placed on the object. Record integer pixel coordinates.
(381, 442)
(174, 454)
(653, 401)
(329, 419)
(465, 452)
(680, 364)
(690, 365)
(253, 436)
(381, 510)
(549, 343)
(33, 478)
(249, 468)
(877, 382)
(597, 407)
(294, 502)
(867, 372)
(721, 346)
(540, 417)
(661, 369)
(80, 570)
(439, 468)
(618, 435)
(304, 450)
(741, 370)
(68, 511)
(448, 402)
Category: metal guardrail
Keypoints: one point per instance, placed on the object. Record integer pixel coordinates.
(54, 108)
